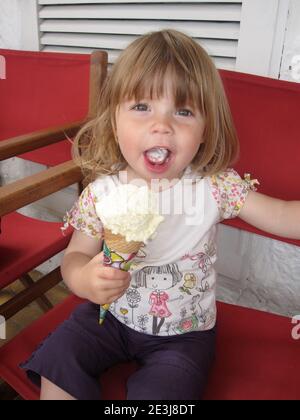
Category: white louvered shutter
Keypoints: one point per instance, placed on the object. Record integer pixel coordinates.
(84, 25)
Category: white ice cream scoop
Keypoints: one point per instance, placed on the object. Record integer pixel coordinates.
(130, 211)
(157, 155)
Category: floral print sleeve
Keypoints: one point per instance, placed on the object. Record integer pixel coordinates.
(83, 217)
(230, 192)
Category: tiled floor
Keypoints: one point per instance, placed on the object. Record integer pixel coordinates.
(25, 317)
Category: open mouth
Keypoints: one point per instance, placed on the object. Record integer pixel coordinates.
(158, 159)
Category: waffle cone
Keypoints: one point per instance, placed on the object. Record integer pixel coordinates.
(118, 243)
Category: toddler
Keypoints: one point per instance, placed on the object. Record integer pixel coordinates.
(163, 119)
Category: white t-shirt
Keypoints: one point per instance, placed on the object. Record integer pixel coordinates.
(173, 279)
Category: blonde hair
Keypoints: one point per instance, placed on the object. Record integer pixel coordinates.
(141, 70)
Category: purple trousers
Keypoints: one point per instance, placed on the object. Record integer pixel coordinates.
(74, 356)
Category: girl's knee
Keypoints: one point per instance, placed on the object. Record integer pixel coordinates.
(166, 382)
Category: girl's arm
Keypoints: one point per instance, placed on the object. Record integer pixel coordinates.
(272, 215)
(86, 276)
(80, 251)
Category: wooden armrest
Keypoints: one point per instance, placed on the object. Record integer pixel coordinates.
(30, 189)
(25, 143)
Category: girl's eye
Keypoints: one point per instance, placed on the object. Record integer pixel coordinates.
(140, 107)
(184, 112)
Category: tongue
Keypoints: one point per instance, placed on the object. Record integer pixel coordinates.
(157, 155)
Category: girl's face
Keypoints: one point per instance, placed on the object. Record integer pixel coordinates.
(158, 123)
(160, 281)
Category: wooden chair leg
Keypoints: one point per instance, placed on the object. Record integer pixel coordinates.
(30, 294)
(43, 302)
(7, 393)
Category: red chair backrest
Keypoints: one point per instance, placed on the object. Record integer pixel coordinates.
(42, 90)
(266, 115)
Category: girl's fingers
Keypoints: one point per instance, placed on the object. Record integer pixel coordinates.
(115, 290)
(113, 274)
(116, 297)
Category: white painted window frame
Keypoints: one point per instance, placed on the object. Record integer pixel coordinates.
(290, 66)
(30, 26)
(262, 39)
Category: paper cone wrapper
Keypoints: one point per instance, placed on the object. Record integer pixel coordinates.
(118, 243)
(103, 310)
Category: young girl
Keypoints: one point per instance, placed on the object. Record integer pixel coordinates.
(163, 115)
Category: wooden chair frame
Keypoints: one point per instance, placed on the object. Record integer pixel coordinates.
(26, 191)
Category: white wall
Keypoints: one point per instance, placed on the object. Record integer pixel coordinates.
(258, 272)
(10, 24)
(262, 33)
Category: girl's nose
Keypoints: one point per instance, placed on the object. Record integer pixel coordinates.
(161, 125)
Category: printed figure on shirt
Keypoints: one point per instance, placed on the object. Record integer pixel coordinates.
(158, 280)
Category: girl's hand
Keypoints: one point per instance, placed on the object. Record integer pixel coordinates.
(101, 284)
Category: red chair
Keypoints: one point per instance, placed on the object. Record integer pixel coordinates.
(265, 114)
(256, 355)
(61, 91)
(43, 90)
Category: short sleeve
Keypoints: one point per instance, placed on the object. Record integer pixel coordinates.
(83, 216)
(230, 192)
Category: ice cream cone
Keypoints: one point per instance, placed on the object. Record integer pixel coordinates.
(132, 213)
(117, 244)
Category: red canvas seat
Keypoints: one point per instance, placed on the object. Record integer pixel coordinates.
(256, 358)
(37, 241)
(21, 347)
(42, 90)
(256, 355)
(266, 114)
